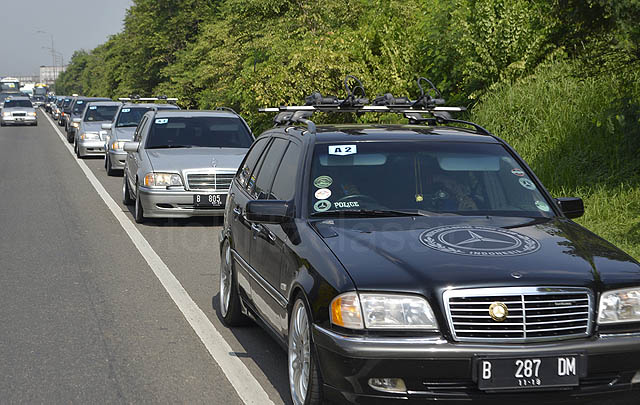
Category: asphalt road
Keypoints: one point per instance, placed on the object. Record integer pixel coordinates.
(84, 319)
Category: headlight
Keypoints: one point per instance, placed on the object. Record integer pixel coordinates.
(6, 114)
(90, 135)
(32, 114)
(75, 124)
(162, 180)
(620, 306)
(117, 145)
(382, 311)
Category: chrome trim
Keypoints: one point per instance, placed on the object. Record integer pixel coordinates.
(520, 291)
(279, 298)
(619, 335)
(394, 340)
(208, 171)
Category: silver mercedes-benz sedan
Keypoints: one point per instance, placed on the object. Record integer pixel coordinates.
(181, 163)
(89, 136)
(18, 111)
(121, 130)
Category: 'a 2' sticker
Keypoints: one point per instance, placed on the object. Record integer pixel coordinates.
(342, 150)
(161, 121)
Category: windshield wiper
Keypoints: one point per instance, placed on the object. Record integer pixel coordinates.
(126, 125)
(168, 146)
(373, 213)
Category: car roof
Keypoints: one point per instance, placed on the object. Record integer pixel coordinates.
(394, 132)
(194, 113)
(150, 105)
(92, 98)
(104, 103)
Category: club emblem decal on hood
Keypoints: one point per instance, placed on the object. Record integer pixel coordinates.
(478, 241)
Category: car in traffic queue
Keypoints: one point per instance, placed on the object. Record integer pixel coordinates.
(18, 110)
(123, 127)
(65, 110)
(75, 113)
(89, 136)
(56, 107)
(420, 262)
(180, 163)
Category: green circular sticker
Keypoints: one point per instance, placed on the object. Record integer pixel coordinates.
(322, 205)
(323, 181)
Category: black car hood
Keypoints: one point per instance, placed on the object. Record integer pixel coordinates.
(393, 254)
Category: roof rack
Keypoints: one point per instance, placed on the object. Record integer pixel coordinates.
(429, 102)
(142, 99)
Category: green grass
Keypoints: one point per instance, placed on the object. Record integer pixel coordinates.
(582, 138)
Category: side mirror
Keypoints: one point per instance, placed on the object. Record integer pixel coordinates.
(107, 126)
(131, 146)
(267, 211)
(572, 207)
(78, 120)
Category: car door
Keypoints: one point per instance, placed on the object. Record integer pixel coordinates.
(133, 158)
(265, 244)
(240, 228)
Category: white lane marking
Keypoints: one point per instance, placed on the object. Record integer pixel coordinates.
(245, 384)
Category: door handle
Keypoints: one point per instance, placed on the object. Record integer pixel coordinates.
(256, 228)
(237, 211)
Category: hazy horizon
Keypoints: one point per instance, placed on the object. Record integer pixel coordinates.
(74, 24)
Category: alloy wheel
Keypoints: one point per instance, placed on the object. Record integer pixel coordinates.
(299, 355)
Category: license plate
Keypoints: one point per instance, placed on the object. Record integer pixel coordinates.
(516, 373)
(209, 200)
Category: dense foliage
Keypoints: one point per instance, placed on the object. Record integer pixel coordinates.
(555, 77)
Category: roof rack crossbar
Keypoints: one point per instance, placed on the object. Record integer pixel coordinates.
(301, 116)
(441, 118)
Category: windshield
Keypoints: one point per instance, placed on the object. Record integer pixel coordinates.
(78, 107)
(208, 132)
(10, 86)
(17, 103)
(40, 91)
(101, 112)
(426, 177)
(66, 103)
(131, 116)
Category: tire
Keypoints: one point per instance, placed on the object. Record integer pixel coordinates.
(138, 211)
(70, 138)
(126, 195)
(77, 148)
(229, 300)
(301, 351)
(108, 167)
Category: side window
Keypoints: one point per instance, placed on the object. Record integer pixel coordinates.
(267, 169)
(250, 161)
(139, 130)
(285, 182)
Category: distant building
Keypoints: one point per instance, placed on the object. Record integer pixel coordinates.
(49, 74)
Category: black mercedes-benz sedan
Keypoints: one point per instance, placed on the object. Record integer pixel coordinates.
(406, 263)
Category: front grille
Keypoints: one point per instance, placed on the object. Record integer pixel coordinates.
(534, 314)
(19, 114)
(210, 181)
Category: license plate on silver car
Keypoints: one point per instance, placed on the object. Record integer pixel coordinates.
(514, 373)
(209, 200)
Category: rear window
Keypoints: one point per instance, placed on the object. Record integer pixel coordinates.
(204, 132)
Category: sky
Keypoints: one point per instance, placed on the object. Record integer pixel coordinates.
(74, 24)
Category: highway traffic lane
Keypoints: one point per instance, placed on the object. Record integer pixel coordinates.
(189, 247)
(84, 320)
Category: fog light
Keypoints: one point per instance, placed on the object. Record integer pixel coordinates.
(636, 378)
(395, 385)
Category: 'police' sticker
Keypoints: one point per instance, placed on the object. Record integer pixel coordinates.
(161, 121)
(342, 150)
(126, 109)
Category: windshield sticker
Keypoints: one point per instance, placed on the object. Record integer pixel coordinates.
(80, 102)
(517, 172)
(323, 181)
(323, 194)
(161, 121)
(93, 107)
(346, 204)
(126, 109)
(469, 240)
(419, 198)
(342, 150)
(322, 206)
(528, 184)
(542, 206)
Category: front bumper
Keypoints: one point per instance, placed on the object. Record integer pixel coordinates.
(117, 158)
(174, 204)
(26, 120)
(435, 369)
(91, 147)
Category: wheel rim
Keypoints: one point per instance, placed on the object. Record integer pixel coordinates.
(138, 205)
(299, 354)
(125, 197)
(225, 282)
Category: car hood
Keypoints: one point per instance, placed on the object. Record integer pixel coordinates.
(92, 126)
(123, 133)
(18, 109)
(427, 255)
(180, 159)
